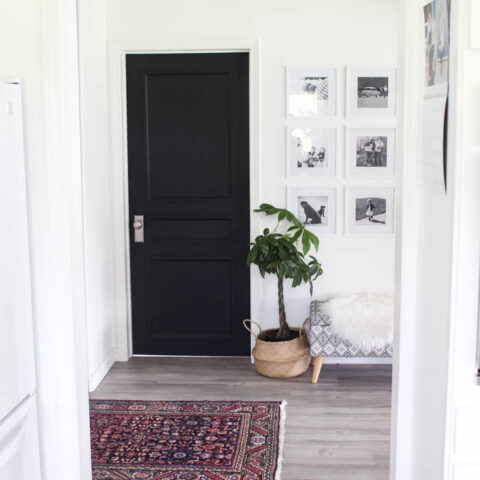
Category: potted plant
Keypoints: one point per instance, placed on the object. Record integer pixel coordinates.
(283, 352)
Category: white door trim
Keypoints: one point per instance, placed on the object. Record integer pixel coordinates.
(117, 51)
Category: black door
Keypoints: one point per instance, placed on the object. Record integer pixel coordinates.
(188, 171)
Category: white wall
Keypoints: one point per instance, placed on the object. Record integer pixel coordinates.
(463, 406)
(425, 259)
(99, 241)
(435, 428)
(310, 32)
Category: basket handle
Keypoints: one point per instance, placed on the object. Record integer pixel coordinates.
(252, 322)
(303, 326)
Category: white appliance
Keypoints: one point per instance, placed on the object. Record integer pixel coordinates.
(19, 452)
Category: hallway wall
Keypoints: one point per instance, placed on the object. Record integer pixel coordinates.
(311, 32)
(97, 198)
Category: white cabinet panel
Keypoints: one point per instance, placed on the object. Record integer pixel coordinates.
(467, 432)
(19, 457)
(466, 472)
(16, 337)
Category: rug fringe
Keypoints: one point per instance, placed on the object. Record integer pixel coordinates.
(281, 440)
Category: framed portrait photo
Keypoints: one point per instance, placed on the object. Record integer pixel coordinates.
(311, 150)
(369, 211)
(370, 151)
(315, 207)
(311, 92)
(371, 92)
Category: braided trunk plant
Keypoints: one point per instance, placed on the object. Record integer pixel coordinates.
(277, 253)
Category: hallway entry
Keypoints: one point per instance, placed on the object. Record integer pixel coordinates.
(188, 180)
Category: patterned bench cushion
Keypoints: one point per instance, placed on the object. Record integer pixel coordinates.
(325, 343)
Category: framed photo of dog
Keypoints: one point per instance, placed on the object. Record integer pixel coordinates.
(315, 207)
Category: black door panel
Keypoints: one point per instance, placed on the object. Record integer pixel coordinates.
(188, 168)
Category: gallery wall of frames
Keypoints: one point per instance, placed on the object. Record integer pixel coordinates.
(345, 140)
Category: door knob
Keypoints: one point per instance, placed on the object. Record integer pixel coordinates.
(137, 228)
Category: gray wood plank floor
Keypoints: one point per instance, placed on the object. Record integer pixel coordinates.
(338, 429)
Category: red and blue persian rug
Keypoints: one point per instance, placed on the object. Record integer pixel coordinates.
(145, 440)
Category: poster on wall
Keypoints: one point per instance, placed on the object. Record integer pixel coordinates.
(437, 40)
(436, 16)
(433, 131)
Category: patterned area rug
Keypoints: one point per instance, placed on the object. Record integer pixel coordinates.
(143, 440)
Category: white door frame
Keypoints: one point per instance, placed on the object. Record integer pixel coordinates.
(117, 51)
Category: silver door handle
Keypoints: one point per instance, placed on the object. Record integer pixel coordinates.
(137, 228)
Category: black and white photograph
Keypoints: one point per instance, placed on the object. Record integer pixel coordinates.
(437, 39)
(370, 151)
(371, 92)
(369, 211)
(311, 151)
(311, 92)
(315, 208)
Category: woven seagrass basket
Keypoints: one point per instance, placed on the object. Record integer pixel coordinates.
(280, 359)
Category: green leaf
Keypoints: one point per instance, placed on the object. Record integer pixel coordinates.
(251, 255)
(305, 242)
(272, 241)
(314, 239)
(295, 236)
(273, 265)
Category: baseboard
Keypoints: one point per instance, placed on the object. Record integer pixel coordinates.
(359, 360)
(98, 375)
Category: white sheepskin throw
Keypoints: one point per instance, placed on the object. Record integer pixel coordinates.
(364, 319)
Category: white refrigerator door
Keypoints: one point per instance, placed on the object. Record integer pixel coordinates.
(16, 335)
(19, 457)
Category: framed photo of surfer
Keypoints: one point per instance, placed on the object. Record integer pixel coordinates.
(315, 207)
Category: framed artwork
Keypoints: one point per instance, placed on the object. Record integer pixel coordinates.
(371, 92)
(311, 92)
(311, 150)
(315, 207)
(370, 151)
(436, 16)
(369, 211)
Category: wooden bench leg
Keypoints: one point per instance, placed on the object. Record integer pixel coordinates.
(317, 363)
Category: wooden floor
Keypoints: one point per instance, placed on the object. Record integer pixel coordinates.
(338, 429)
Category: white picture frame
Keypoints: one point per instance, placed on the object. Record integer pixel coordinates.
(322, 218)
(311, 92)
(311, 150)
(380, 221)
(370, 151)
(371, 92)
